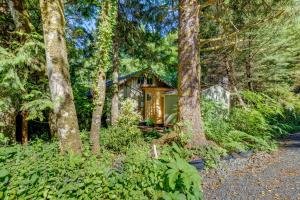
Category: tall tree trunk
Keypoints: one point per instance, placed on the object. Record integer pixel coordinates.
(107, 23)
(188, 70)
(115, 76)
(59, 77)
(233, 82)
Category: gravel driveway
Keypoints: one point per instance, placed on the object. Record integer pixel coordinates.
(262, 176)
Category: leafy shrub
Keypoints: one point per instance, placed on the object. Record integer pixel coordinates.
(239, 131)
(249, 121)
(149, 122)
(125, 132)
(182, 180)
(3, 139)
(280, 107)
(211, 155)
(37, 171)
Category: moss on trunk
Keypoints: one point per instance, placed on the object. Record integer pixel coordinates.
(59, 77)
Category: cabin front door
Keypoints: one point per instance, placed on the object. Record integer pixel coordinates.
(154, 105)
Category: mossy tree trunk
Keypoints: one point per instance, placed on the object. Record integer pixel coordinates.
(189, 111)
(59, 77)
(115, 75)
(106, 29)
(52, 124)
(98, 99)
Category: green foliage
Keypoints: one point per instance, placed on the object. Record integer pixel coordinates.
(149, 122)
(279, 107)
(3, 139)
(242, 130)
(38, 171)
(211, 155)
(182, 180)
(23, 77)
(107, 24)
(249, 121)
(119, 136)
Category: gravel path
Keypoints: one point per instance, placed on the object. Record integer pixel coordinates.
(262, 176)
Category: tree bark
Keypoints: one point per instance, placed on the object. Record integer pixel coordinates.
(249, 75)
(25, 135)
(59, 77)
(248, 67)
(20, 16)
(115, 77)
(52, 124)
(188, 71)
(99, 99)
(233, 82)
(108, 18)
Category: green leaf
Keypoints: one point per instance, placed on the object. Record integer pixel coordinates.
(4, 173)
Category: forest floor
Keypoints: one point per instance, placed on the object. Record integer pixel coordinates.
(261, 176)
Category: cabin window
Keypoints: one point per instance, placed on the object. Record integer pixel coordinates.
(141, 80)
(148, 97)
(149, 81)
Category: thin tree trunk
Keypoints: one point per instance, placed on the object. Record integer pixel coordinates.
(25, 127)
(99, 99)
(108, 18)
(248, 67)
(59, 77)
(249, 75)
(188, 70)
(115, 77)
(233, 82)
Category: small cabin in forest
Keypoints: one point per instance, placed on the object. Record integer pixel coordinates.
(153, 95)
(156, 99)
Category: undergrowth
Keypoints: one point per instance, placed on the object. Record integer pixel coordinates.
(37, 171)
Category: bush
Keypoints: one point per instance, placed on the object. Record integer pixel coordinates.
(239, 131)
(3, 139)
(280, 107)
(37, 171)
(125, 132)
(211, 155)
(249, 121)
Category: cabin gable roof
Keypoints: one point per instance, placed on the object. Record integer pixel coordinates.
(136, 74)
